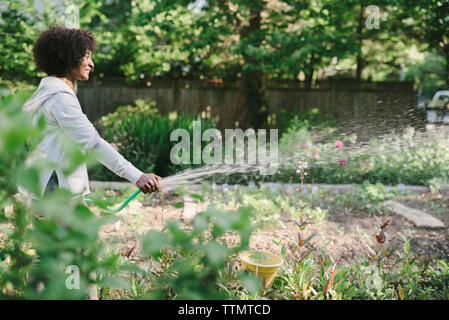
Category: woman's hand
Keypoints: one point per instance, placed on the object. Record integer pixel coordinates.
(148, 183)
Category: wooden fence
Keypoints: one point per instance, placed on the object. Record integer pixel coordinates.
(364, 108)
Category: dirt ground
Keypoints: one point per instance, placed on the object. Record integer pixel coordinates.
(345, 236)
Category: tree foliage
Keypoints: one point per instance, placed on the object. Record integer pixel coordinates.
(251, 41)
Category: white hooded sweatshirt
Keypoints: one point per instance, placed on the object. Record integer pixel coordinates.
(57, 102)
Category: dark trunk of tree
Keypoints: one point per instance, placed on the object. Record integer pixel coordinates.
(313, 60)
(252, 86)
(359, 59)
(447, 67)
(358, 73)
(309, 78)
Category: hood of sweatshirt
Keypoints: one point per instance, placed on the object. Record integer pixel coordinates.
(48, 87)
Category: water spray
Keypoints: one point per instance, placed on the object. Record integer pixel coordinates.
(192, 176)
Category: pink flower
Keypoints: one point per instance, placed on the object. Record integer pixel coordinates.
(338, 144)
(304, 145)
(315, 155)
(342, 162)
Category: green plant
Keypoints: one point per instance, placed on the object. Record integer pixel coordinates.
(17, 34)
(437, 185)
(42, 241)
(195, 263)
(367, 196)
(385, 272)
(295, 120)
(317, 214)
(410, 157)
(142, 135)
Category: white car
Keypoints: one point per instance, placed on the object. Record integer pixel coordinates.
(439, 107)
(440, 100)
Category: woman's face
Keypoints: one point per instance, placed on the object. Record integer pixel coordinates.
(82, 72)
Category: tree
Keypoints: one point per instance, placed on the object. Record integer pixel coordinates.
(16, 40)
(165, 39)
(306, 39)
(428, 22)
(250, 47)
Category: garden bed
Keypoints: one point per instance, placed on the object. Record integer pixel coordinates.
(344, 233)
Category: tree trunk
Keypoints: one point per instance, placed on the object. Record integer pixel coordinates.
(359, 59)
(309, 78)
(447, 67)
(311, 69)
(358, 73)
(252, 86)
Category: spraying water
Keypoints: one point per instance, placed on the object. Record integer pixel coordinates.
(295, 152)
(390, 146)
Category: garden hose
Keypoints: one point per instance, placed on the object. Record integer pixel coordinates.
(124, 204)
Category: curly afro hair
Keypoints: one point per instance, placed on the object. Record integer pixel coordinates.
(60, 49)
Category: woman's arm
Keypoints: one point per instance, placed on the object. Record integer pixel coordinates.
(67, 112)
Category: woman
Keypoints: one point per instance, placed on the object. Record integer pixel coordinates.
(65, 55)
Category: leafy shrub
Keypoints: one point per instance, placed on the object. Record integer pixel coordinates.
(294, 120)
(142, 135)
(409, 158)
(269, 204)
(387, 271)
(37, 245)
(40, 245)
(195, 263)
(17, 35)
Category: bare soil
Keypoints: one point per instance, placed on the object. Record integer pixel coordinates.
(345, 236)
